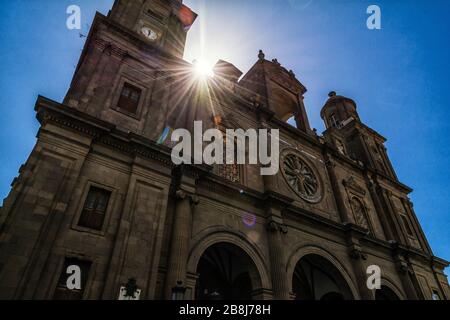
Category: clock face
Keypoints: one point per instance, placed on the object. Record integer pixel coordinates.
(149, 33)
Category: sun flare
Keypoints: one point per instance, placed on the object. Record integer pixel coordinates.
(203, 69)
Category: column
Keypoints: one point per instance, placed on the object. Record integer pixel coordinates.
(381, 212)
(406, 276)
(391, 215)
(360, 269)
(181, 235)
(416, 225)
(330, 165)
(280, 284)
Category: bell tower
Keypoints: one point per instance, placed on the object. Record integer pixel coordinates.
(163, 23)
(125, 73)
(351, 137)
(278, 90)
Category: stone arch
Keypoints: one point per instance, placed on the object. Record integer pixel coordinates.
(216, 235)
(386, 282)
(304, 250)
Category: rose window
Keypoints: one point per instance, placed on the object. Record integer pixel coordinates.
(301, 178)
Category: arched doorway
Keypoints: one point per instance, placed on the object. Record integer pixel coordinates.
(316, 278)
(386, 293)
(226, 272)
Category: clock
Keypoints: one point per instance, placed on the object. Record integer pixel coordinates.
(149, 33)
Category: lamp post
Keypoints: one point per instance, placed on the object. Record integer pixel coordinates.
(130, 291)
(178, 291)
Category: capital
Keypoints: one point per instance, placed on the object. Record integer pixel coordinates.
(357, 253)
(330, 164)
(181, 195)
(194, 199)
(274, 226)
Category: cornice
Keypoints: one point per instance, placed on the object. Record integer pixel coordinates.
(278, 199)
(439, 262)
(49, 111)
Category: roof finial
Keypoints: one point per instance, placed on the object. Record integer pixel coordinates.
(261, 55)
(332, 94)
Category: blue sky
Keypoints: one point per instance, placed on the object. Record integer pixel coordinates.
(398, 75)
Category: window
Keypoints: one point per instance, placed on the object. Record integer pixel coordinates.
(406, 224)
(156, 15)
(159, 12)
(129, 98)
(62, 292)
(435, 295)
(359, 212)
(333, 121)
(230, 172)
(93, 215)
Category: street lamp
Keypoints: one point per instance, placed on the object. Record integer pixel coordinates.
(178, 291)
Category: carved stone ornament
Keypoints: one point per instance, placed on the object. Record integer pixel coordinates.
(351, 184)
(274, 226)
(357, 253)
(181, 195)
(193, 198)
(404, 267)
(301, 177)
(359, 212)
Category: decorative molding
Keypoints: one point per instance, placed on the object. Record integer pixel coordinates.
(182, 195)
(331, 164)
(274, 226)
(351, 184)
(404, 267)
(194, 199)
(296, 169)
(357, 253)
(110, 49)
(101, 132)
(276, 198)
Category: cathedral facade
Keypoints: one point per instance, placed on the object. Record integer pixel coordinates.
(99, 190)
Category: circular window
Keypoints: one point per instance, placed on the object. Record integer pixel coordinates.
(302, 178)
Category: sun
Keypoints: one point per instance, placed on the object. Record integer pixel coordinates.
(202, 69)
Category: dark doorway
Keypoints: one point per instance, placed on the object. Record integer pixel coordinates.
(386, 293)
(225, 273)
(315, 278)
(332, 296)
